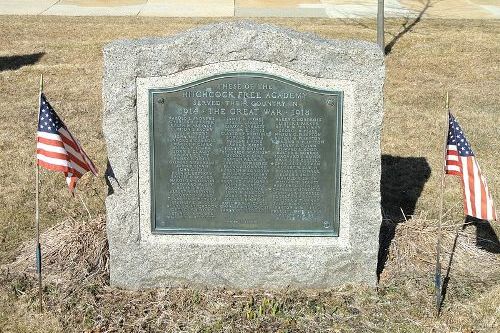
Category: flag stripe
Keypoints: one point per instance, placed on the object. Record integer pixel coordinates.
(52, 154)
(73, 152)
(65, 159)
(71, 182)
(477, 190)
(52, 166)
(52, 160)
(91, 165)
(50, 148)
(76, 173)
(55, 143)
(78, 162)
(71, 140)
(452, 168)
(76, 167)
(484, 202)
(465, 182)
(472, 187)
(67, 141)
(60, 165)
(78, 150)
(457, 163)
(49, 136)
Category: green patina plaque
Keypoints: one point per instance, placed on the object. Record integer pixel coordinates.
(245, 153)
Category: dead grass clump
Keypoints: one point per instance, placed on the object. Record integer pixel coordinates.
(470, 274)
(413, 250)
(74, 264)
(71, 251)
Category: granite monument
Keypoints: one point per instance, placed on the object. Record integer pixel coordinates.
(243, 155)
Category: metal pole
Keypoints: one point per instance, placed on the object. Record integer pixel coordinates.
(37, 214)
(380, 25)
(438, 282)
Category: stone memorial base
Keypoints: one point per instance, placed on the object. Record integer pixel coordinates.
(141, 257)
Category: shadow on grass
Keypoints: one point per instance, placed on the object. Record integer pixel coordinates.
(18, 61)
(486, 239)
(407, 26)
(402, 182)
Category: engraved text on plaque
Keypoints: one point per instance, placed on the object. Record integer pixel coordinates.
(245, 153)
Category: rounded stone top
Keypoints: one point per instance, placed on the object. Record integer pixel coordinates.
(247, 40)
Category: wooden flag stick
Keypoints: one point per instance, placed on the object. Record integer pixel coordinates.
(438, 282)
(37, 214)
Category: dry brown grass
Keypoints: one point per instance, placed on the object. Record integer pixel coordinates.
(78, 297)
(459, 56)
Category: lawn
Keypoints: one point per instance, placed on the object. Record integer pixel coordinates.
(458, 56)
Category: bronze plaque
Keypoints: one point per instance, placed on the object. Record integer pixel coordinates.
(245, 153)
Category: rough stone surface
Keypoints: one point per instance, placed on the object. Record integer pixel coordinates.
(141, 259)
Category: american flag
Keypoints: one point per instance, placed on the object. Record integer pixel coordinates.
(57, 149)
(460, 161)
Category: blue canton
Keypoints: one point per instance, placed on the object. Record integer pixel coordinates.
(48, 121)
(457, 137)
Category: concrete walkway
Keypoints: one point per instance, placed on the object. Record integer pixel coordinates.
(459, 9)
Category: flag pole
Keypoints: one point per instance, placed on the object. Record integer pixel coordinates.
(438, 282)
(37, 214)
